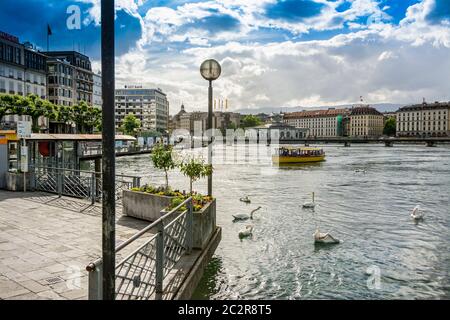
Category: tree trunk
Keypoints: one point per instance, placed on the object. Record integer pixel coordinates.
(167, 180)
(190, 185)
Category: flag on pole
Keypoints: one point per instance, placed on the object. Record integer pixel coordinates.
(49, 30)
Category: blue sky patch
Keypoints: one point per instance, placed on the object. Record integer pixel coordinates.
(293, 10)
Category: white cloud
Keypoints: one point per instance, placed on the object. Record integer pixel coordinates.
(379, 60)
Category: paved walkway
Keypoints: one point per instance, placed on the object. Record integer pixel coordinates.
(46, 243)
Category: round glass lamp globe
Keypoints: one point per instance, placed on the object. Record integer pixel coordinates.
(210, 70)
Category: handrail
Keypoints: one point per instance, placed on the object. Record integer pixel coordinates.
(81, 171)
(92, 266)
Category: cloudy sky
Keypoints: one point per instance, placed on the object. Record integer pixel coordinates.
(274, 53)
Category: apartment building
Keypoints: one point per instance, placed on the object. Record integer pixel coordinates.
(365, 122)
(424, 120)
(321, 123)
(22, 68)
(150, 106)
(80, 74)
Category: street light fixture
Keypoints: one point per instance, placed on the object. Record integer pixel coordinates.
(210, 71)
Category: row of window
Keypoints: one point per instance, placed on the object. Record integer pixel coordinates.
(13, 87)
(53, 92)
(19, 75)
(60, 68)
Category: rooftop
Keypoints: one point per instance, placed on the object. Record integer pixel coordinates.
(316, 113)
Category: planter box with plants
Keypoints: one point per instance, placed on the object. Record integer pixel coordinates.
(147, 202)
(204, 217)
(151, 203)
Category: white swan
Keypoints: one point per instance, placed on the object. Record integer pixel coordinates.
(246, 232)
(245, 199)
(308, 204)
(244, 216)
(417, 213)
(320, 237)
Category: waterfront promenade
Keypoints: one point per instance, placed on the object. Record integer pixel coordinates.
(46, 242)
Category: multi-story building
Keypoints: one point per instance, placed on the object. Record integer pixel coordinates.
(61, 88)
(80, 74)
(366, 122)
(150, 106)
(174, 122)
(321, 123)
(22, 68)
(225, 120)
(424, 120)
(197, 122)
(97, 100)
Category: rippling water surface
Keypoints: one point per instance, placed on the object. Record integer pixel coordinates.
(368, 211)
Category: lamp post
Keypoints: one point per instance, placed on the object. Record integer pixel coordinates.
(210, 71)
(108, 152)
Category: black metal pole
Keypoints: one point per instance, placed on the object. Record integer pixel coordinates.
(210, 117)
(108, 152)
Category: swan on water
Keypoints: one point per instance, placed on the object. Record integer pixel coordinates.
(417, 213)
(360, 170)
(320, 237)
(311, 204)
(245, 199)
(244, 216)
(246, 232)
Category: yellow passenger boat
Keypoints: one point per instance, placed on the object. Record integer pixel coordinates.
(298, 155)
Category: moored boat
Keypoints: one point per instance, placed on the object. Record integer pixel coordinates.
(298, 155)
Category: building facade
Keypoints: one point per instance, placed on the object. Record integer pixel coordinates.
(150, 106)
(366, 122)
(22, 68)
(61, 82)
(97, 100)
(320, 123)
(80, 74)
(197, 122)
(424, 120)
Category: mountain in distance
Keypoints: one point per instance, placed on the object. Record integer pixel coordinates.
(382, 107)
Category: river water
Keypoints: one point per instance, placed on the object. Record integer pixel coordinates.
(384, 254)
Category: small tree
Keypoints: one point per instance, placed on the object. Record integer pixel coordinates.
(250, 121)
(130, 124)
(195, 168)
(162, 159)
(390, 127)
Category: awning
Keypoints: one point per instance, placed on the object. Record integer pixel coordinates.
(74, 137)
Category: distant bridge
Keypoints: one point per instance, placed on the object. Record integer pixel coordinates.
(388, 141)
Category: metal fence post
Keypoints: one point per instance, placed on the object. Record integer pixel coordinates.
(136, 182)
(93, 187)
(59, 181)
(159, 261)
(189, 227)
(95, 291)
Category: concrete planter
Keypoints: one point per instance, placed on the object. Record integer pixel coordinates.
(145, 206)
(204, 224)
(14, 181)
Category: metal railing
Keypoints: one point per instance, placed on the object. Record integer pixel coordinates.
(79, 183)
(141, 275)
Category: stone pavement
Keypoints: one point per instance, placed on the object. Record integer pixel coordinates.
(46, 242)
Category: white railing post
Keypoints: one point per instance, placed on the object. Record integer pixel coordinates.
(95, 290)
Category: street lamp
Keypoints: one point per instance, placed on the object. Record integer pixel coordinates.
(210, 71)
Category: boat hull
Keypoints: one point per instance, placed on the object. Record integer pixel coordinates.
(287, 159)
